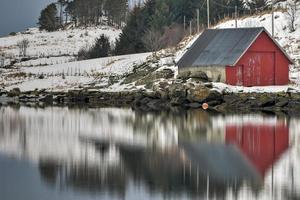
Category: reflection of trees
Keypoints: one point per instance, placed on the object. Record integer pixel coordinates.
(187, 124)
(84, 178)
(163, 172)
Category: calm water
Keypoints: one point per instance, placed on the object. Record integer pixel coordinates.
(110, 153)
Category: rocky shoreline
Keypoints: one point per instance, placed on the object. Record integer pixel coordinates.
(163, 96)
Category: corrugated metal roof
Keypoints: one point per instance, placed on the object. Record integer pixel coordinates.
(221, 47)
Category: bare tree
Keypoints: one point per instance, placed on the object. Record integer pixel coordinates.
(23, 45)
(292, 9)
(153, 41)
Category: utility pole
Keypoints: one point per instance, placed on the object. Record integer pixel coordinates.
(235, 16)
(184, 23)
(191, 27)
(198, 20)
(272, 18)
(208, 21)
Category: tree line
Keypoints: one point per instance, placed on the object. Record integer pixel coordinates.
(83, 13)
(150, 26)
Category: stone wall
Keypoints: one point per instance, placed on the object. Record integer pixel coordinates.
(214, 73)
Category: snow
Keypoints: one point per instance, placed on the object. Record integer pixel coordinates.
(56, 83)
(109, 65)
(224, 88)
(59, 43)
(74, 74)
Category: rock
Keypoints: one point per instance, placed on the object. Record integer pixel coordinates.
(200, 75)
(145, 100)
(149, 79)
(14, 92)
(282, 103)
(163, 84)
(214, 95)
(198, 94)
(177, 90)
(165, 74)
(194, 105)
(162, 94)
(47, 98)
(208, 85)
(214, 103)
(294, 104)
(176, 101)
(266, 102)
(184, 75)
(156, 104)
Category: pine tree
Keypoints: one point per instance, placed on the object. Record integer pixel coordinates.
(101, 47)
(130, 40)
(48, 19)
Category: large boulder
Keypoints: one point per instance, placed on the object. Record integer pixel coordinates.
(198, 94)
(177, 93)
(14, 92)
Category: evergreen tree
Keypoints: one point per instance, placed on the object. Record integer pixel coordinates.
(48, 19)
(101, 47)
(130, 40)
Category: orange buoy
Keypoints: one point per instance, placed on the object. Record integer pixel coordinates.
(205, 106)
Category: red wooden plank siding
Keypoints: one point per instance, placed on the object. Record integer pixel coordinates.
(263, 64)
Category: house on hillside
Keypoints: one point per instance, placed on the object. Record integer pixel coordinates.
(240, 56)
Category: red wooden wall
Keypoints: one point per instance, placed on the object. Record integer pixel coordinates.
(263, 64)
(262, 145)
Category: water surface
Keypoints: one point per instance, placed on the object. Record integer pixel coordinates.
(112, 153)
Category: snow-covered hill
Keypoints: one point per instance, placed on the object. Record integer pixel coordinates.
(49, 48)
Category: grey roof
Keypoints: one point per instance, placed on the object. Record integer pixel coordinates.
(221, 47)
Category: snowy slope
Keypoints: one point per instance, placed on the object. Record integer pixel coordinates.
(74, 74)
(51, 47)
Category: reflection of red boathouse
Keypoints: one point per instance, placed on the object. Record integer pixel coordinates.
(262, 143)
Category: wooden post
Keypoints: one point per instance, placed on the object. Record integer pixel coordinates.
(198, 20)
(272, 19)
(208, 21)
(184, 23)
(235, 16)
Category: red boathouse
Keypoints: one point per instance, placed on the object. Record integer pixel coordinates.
(241, 56)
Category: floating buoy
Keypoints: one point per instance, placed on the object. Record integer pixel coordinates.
(205, 106)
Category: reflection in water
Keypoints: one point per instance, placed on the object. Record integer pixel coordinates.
(119, 153)
(262, 144)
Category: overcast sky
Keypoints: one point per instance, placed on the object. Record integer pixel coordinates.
(17, 15)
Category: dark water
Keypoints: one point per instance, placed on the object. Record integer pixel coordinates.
(110, 153)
